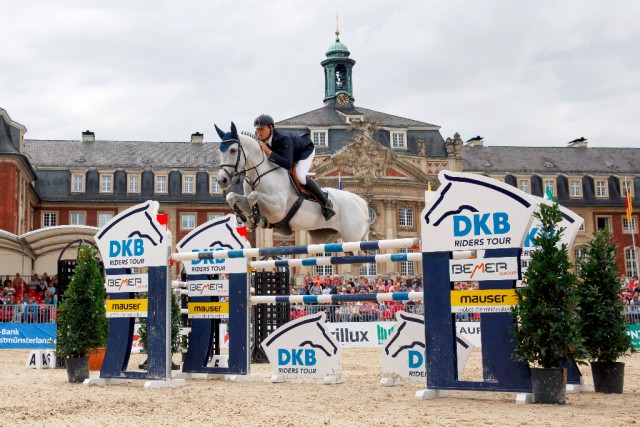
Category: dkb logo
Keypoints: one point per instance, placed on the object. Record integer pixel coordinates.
(479, 224)
(207, 261)
(416, 359)
(294, 357)
(124, 248)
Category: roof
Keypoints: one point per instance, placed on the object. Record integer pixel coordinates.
(54, 239)
(554, 160)
(120, 154)
(328, 116)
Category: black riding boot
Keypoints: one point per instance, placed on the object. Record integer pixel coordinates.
(327, 206)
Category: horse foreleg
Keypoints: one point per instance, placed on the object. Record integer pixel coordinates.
(271, 206)
(241, 208)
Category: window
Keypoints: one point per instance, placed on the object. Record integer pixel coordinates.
(407, 268)
(188, 184)
(104, 218)
(319, 138)
(551, 185)
(324, 270)
(77, 218)
(214, 187)
(372, 215)
(603, 222)
(134, 183)
(582, 225)
(601, 188)
(398, 140)
(161, 183)
(628, 227)
(405, 217)
(49, 219)
(523, 185)
(575, 187)
(213, 216)
(77, 183)
(371, 268)
(106, 183)
(188, 221)
(577, 257)
(631, 261)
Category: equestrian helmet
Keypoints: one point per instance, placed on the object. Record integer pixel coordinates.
(262, 120)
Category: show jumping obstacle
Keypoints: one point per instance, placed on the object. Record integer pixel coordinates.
(467, 213)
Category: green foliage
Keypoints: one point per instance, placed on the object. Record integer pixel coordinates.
(82, 321)
(547, 329)
(602, 311)
(176, 321)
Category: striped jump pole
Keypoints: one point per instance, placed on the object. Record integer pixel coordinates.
(356, 259)
(325, 299)
(296, 250)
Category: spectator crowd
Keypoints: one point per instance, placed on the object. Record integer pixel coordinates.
(29, 300)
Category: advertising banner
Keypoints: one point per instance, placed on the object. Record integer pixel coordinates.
(634, 332)
(27, 335)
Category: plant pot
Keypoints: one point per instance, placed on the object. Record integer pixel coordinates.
(96, 358)
(77, 369)
(608, 377)
(549, 385)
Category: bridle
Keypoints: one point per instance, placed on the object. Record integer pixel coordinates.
(235, 171)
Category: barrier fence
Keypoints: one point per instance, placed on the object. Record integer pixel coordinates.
(21, 313)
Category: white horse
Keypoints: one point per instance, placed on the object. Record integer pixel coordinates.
(270, 196)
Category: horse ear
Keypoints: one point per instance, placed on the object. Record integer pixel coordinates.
(234, 131)
(220, 133)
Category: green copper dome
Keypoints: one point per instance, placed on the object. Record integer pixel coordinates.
(337, 49)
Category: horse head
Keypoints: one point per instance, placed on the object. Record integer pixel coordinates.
(231, 156)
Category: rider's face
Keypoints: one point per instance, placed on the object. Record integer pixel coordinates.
(263, 132)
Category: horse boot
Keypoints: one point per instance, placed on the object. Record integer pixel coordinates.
(327, 206)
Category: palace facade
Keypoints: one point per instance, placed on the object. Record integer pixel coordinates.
(388, 160)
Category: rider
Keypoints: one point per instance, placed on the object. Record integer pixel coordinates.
(285, 151)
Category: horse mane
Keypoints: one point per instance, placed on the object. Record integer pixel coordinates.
(252, 135)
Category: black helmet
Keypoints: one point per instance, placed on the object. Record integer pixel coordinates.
(262, 120)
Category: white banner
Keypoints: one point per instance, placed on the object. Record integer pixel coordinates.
(127, 283)
(463, 270)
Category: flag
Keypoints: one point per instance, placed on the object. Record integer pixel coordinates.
(548, 195)
(339, 181)
(629, 205)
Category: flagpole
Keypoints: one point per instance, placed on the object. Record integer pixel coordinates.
(633, 228)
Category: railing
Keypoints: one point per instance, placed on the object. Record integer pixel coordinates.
(632, 314)
(24, 313)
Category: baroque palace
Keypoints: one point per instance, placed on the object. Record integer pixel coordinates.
(78, 185)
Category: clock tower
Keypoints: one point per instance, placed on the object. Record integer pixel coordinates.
(338, 67)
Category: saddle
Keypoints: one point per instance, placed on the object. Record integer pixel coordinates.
(300, 189)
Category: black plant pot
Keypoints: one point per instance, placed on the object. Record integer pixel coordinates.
(608, 377)
(77, 369)
(549, 385)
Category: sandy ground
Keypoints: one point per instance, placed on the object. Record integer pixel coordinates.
(44, 397)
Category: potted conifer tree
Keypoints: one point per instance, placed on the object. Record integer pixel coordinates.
(546, 328)
(82, 321)
(602, 313)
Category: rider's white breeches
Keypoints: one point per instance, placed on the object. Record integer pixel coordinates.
(303, 166)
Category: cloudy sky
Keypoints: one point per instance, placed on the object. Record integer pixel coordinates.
(522, 73)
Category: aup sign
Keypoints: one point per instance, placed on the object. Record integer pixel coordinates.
(471, 211)
(135, 238)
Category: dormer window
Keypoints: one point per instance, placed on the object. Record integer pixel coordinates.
(320, 137)
(399, 139)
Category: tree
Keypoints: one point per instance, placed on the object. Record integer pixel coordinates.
(82, 321)
(601, 310)
(547, 330)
